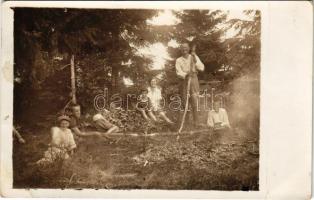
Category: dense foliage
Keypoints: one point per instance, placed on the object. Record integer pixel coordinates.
(105, 45)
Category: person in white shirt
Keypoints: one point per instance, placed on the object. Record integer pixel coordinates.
(187, 66)
(218, 117)
(155, 97)
(62, 142)
(144, 104)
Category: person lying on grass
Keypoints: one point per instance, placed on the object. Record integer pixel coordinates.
(78, 125)
(218, 117)
(154, 94)
(62, 142)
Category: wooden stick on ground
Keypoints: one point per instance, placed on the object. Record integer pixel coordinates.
(18, 135)
(137, 134)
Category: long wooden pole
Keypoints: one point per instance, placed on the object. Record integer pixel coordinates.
(212, 99)
(186, 107)
(73, 88)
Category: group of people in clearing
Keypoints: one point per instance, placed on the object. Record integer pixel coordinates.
(149, 105)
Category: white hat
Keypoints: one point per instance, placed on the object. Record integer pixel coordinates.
(64, 117)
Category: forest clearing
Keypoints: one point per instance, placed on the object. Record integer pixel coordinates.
(61, 69)
(204, 161)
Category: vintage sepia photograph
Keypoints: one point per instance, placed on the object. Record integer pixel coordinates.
(136, 99)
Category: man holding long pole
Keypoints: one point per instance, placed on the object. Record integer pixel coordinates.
(187, 67)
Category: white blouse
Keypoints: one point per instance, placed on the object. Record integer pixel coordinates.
(154, 94)
(218, 117)
(62, 138)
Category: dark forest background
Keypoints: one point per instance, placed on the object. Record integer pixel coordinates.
(105, 46)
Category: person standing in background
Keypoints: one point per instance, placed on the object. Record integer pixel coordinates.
(187, 67)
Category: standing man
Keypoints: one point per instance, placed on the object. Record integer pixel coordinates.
(187, 67)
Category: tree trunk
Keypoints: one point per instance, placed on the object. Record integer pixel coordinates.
(73, 88)
(115, 78)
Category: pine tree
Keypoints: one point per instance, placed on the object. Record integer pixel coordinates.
(244, 48)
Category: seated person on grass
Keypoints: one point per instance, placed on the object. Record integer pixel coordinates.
(154, 94)
(218, 117)
(62, 142)
(144, 105)
(78, 125)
